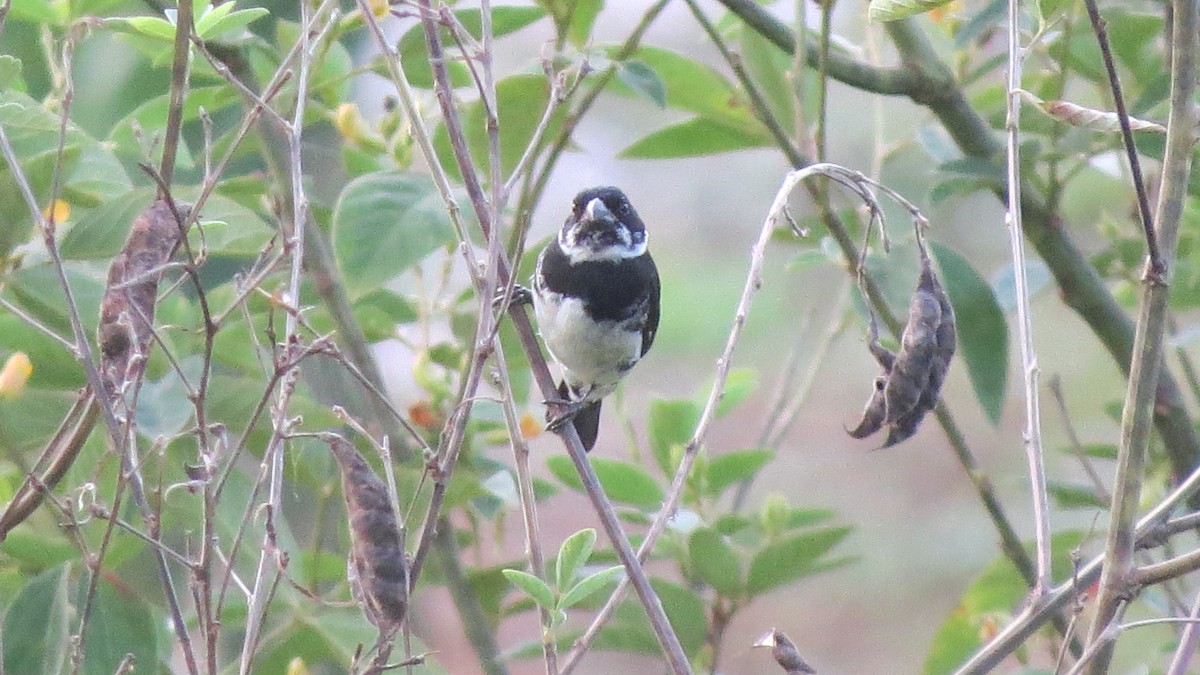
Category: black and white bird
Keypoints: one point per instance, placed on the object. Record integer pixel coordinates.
(596, 298)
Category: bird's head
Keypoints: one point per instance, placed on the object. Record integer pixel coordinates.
(602, 226)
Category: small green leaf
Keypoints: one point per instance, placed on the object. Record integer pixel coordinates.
(588, 586)
(694, 138)
(532, 586)
(640, 78)
(740, 383)
(671, 424)
(695, 87)
(789, 559)
(892, 10)
(414, 56)
(121, 624)
(735, 467)
(35, 625)
(583, 17)
(227, 24)
(149, 26)
(623, 482)
(385, 223)
(715, 562)
(1072, 495)
(573, 553)
(685, 611)
(982, 331)
(10, 70)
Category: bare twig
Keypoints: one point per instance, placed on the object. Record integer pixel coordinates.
(1140, 398)
(1029, 365)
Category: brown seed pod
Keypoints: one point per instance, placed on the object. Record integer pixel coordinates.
(912, 380)
(127, 308)
(378, 568)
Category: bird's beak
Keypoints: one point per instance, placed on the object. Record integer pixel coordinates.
(597, 212)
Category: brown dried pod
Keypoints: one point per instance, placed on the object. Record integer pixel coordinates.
(912, 380)
(127, 308)
(378, 566)
(784, 651)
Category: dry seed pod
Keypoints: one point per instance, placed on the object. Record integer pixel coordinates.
(946, 341)
(918, 343)
(912, 380)
(127, 308)
(378, 567)
(785, 653)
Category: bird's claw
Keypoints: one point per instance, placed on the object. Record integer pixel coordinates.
(520, 296)
(566, 412)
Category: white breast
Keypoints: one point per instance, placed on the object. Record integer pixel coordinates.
(593, 355)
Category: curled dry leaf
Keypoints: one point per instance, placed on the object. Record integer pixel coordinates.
(911, 381)
(1088, 118)
(378, 569)
(127, 308)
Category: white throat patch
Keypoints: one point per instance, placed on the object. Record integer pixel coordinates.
(583, 251)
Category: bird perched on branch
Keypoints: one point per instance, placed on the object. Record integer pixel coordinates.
(596, 298)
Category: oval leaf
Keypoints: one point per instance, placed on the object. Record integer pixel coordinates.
(573, 553)
(789, 559)
(892, 10)
(588, 586)
(35, 626)
(735, 467)
(671, 424)
(623, 482)
(385, 223)
(982, 331)
(532, 586)
(697, 137)
(715, 562)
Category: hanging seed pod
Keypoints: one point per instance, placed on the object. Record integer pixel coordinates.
(127, 308)
(378, 569)
(912, 380)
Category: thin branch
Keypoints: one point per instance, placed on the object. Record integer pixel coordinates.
(1029, 365)
(179, 82)
(1157, 264)
(1140, 398)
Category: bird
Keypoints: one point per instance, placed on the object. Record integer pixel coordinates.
(596, 300)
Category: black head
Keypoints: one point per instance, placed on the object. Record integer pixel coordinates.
(602, 226)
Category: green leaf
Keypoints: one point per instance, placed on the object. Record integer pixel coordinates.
(623, 482)
(147, 26)
(685, 611)
(385, 223)
(770, 68)
(573, 553)
(588, 586)
(697, 88)
(10, 70)
(735, 467)
(892, 10)
(982, 331)
(740, 383)
(414, 56)
(1073, 495)
(380, 311)
(121, 623)
(715, 562)
(532, 586)
(162, 407)
(101, 232)
(583, 17)
(35, 625)
(671, 424)
(217, 24)
(642, 79)
(521, 101)
(694, 138)
(789, 559)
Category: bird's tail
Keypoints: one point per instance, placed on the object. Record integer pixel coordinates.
(586, 421)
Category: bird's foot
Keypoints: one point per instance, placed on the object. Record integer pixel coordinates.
(561, 412)
(520, 296)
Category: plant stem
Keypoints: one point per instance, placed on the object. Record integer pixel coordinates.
(1140, 398)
